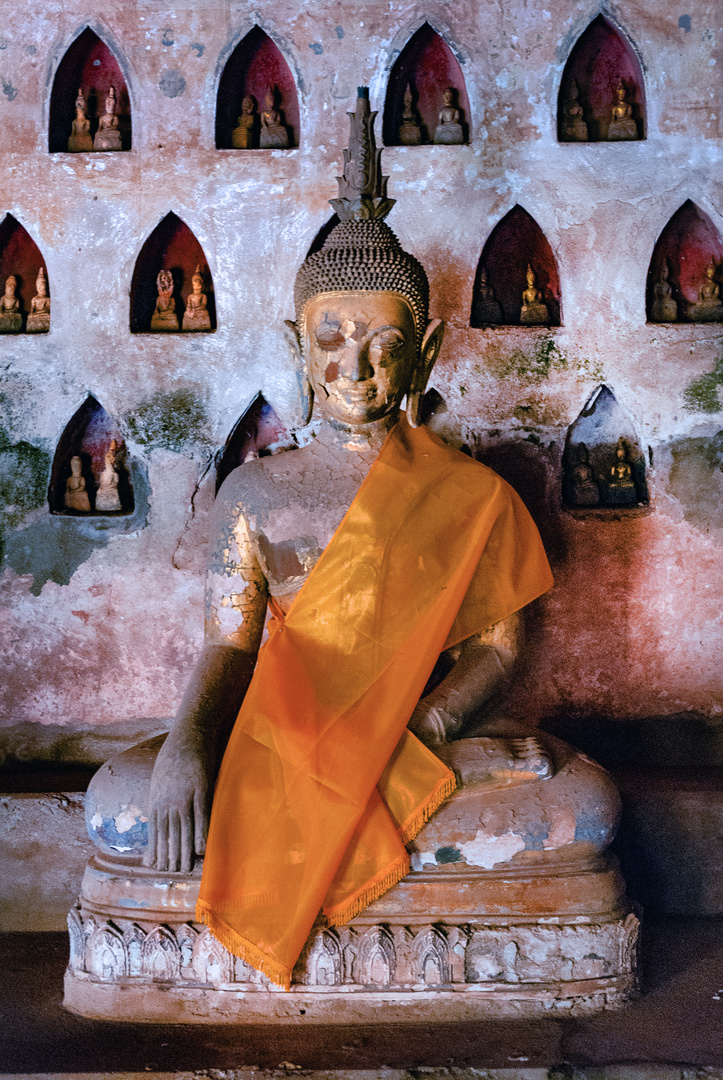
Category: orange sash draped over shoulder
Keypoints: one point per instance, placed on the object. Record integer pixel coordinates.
(322, 784)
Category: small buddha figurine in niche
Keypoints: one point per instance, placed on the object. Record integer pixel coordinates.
(622, 125)
(449, 130)
(39, 317)
(107, 499)
(242, 136)
(80, 138)
(196, 316)
(107, 137)
(11, 320)
(76, 497)
(274, 134)
(574, 128)
(665, 309)
(585, 491)
(534, 312)
(410, 130)
(621, 486)
(164, 317)
(486, 308)
(708, 307)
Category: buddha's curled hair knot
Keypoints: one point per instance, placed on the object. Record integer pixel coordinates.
(364, 256)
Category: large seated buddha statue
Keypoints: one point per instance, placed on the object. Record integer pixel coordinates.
(382, 844)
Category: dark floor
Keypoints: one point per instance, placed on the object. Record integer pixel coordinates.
(678, 1020)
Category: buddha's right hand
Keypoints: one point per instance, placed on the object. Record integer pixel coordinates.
(178, 809)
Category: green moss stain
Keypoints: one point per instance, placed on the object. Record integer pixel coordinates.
(175, 421)
(24, 474)
(696, 480)
(701, 395)
(539, 364)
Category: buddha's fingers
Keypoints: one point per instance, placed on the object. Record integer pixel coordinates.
(149, 857)
(186, 826)
(174, 840)
(162, 840)
(200, 820)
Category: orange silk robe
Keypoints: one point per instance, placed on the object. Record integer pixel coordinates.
(322, 784)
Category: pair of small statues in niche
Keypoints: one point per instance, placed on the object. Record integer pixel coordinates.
(107, 500)
(706, 308)
(622, 126)
(107, 137)
(195, 317)
(615, 489)
(265, 132)
(534, 311)
(448, 132)
(11, 319)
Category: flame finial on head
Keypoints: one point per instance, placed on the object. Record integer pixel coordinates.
(362, 188)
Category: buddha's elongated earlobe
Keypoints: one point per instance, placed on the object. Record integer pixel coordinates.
(428, 353)
(306, 390)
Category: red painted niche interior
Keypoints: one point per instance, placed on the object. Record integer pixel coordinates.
(19, 255)
(429, 66)
(255, 66)
(91, 66)
(599, 59)
(688, 243)
(513, 243)
(171, 246)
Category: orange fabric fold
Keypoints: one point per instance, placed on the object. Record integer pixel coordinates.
(322, 784)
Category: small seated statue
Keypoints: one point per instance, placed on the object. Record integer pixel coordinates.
(449, 130)
(585, 491)
(274, 133)
(622, 125)
(76, 497)
(708, 307)
(410, 129)
(534, 312)
(108, 137)
(39, 316)
(164, 316)
(377, 548)
(242, 136)
(196, 316)
(11, 321)
(664, 307)
(80, 138)
(107, 499)
(486, 308)
(621, 489)
(574, 128)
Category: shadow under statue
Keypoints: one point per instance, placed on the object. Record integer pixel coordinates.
(511, 906)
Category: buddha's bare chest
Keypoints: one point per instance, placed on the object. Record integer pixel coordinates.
(295, 509)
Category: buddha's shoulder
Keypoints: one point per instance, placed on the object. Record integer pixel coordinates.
(272, 480)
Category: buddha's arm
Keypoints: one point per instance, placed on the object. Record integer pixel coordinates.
(185, 771)
(481, 671)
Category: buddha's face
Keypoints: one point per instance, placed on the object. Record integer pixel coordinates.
(10, 284)
(361, 351)
(448, 96)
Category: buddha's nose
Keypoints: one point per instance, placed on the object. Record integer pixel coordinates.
(355, 364)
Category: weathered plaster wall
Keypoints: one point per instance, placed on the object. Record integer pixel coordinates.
(99, 628)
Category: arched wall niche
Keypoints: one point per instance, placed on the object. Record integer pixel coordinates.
(258, 433)
(90, 65)
(255, 66)
(171, 246)
(515, 243)
(688, 245)
(428, 66)
(21, 258)
(603, 461)
(88, 435)
(601, 56)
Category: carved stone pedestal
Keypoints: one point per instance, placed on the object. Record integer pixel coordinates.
(511, 910)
